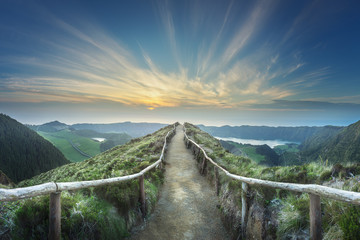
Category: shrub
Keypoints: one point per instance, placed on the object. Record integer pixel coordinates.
(294, 215)
(350, 223)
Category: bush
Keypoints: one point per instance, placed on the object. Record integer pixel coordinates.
(350, 223)
(294, 215)
(82, 217)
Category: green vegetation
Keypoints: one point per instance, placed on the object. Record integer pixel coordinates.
(70, 141)
(83, 217)
(290, 147)
(106, 212)
(23, 153)
(64, 146)
(282, 155)
(245, 150)
(112, 139)
(67, 140)
(341, 146)
(293, 210)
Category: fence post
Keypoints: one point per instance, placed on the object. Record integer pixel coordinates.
(217, 187)
(203, 166)
(142, 195)
(315, 217)
(55, 216)
(244, 187)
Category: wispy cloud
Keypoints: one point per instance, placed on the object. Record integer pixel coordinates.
(90, 66)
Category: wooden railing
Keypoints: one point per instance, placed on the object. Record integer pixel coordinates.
(55, 189)
(315, 191)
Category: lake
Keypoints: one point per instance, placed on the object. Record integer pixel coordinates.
(99, 139)
(270, 143)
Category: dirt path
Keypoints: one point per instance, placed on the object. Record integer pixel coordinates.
(187, 206)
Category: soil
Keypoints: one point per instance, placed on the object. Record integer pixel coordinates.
(187, 208)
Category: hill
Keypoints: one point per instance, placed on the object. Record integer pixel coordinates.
(106, 212)
(336, 145)
(130, 128)
(49, 127)
(78, 145)
(262, 154)
(293, 134)
(23, 153)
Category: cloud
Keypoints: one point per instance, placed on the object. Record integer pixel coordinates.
(90, 65)
(286, 105)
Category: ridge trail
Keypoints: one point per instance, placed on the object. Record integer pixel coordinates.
(187, 205)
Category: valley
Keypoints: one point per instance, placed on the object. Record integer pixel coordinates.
(282, 163)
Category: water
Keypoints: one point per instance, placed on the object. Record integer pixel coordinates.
(99, 139)
(270, 143)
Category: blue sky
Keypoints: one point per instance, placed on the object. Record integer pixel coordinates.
(212, 62)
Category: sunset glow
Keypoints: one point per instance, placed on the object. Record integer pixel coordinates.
(267, 60)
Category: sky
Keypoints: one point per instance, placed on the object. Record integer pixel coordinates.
(241, 62)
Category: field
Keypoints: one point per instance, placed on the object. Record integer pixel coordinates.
(62, 140)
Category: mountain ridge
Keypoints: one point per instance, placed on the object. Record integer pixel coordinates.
(293, 134)
(24, 153)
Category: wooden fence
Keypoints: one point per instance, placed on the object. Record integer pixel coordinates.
(55, 189)
(315, 191)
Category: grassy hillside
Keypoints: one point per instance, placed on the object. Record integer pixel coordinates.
(339, 147)
(130, 128)
(23, 153)
(261, 154)
(106, 212)
(64, 141)
(276, 213)
(111, 139)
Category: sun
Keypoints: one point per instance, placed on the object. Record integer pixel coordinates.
(151, 108)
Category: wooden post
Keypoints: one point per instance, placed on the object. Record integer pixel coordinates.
(203, 166)
(142, 195)
(217, 187)
(315, 217)
(244, 187)
(55, 216)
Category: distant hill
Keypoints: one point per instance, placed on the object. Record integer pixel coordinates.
(111, 139)
(293, 134)
(49, 127)
(23, 153)
(133, 129)
(130, 128)
(261, 154)
(335, 145)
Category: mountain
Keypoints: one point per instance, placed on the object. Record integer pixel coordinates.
(54, 126)
(23, 153)
(293, 134)
(133, 129)
(130, 128)
(335, 145)
(261, 154)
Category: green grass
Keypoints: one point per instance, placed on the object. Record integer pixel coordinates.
(60, 140)
(106, 212)
(250, 151)
(293, 217)
(294, 148)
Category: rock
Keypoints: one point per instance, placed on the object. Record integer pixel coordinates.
(255, 223)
